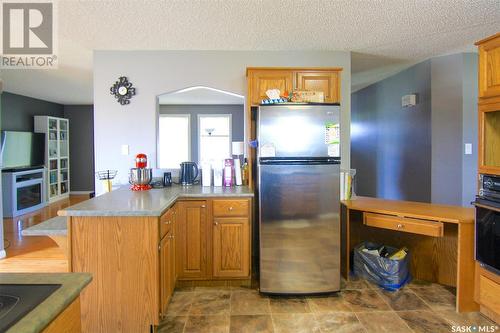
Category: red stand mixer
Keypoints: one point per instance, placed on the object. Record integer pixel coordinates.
(140, 176)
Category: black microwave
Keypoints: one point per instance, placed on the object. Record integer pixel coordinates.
(488, 223)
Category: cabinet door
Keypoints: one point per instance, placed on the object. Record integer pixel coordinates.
(191, 245)
(327, 82)
(261, 81)
(231, 247)
(166, 268)
(489, 138)
(489, 68)
(174, 242)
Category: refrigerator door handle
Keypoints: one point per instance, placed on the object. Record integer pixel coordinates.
(298, 160)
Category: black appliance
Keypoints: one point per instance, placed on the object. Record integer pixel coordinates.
(488, 223)
(188, 173)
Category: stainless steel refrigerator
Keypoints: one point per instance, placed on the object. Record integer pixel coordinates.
(298, 192)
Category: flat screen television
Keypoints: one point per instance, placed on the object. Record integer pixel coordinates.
(22, 149)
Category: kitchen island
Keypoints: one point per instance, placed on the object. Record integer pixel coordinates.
(138, 244)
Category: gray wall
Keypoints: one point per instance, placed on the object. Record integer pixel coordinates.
(418, 154)
(469, 127)
(17, 115)
(18, 111)
(391, 145)
(2, 246)
(446, 126)
(159, 72)
(237, 119)
(81, 145)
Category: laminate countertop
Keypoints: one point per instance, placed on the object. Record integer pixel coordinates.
(125, 202)
(38, 318)
(412, 209)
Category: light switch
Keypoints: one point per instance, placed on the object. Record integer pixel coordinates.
(468, 149)
(125, 150)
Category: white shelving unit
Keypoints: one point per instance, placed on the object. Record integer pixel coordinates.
(56, 155)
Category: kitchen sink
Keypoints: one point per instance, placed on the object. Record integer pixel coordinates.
(16, 300)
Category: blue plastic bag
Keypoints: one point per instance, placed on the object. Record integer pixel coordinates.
(387, 273)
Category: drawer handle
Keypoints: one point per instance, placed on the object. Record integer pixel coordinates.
(216, 223)
(230, 208)
(203, 206)
(400, 226)
(167, 222)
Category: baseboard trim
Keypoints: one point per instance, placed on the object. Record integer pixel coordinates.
(80, 192)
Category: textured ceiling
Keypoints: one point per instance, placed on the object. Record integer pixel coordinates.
(384, 34)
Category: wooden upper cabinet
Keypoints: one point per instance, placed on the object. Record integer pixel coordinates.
(191, 240)
(489, 67)
(489, 105)
(231, 247)
(326, 81)
(263, 80)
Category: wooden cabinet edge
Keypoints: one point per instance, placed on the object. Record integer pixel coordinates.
(487, 39)
(68, 321)
(294, 69)
(480, 271)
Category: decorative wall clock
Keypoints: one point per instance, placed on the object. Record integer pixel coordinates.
(122, 90)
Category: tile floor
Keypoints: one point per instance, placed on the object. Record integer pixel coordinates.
(359, 307)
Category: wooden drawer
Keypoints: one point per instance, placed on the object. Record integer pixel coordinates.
(489, 294)
(414, 226)
(166, 221)
(231, 207)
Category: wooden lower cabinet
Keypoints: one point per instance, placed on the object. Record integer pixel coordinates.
(213, 239)
(167, 272)
(487, 293)
(136, 260)
(191, 245)
(68, 321)
(231, 247)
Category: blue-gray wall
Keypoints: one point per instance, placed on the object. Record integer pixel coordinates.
(469, 127)
(391, 145)
(81, 146)
(237, 118)
(2, 246)
(418, 153)
(18, 111)
(446, 124)
(17, 115)
(454, 123)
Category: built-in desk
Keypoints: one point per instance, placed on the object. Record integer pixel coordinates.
(440, 239)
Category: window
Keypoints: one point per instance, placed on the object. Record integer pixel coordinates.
(214, 137)
(173, 140)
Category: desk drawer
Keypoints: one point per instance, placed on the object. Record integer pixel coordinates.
(166, 221)
(232, 207)
(414, 226)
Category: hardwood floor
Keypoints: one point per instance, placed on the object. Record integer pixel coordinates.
(34, 253)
